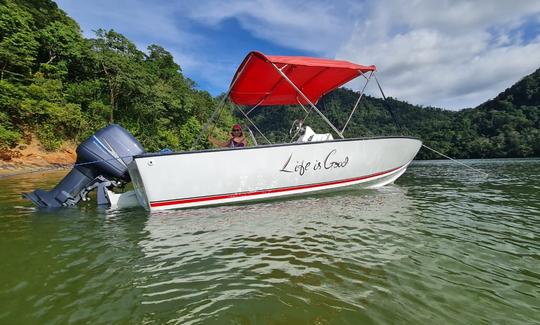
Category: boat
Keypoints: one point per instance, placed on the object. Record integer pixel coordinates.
(307, 163)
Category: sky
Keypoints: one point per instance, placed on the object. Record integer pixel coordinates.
(449, 54)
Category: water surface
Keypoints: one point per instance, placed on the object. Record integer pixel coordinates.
(442, 245)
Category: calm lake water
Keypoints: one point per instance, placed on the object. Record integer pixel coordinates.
(444, 245)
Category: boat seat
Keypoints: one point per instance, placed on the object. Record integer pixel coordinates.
(310, 136)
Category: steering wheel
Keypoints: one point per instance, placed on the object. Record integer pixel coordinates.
(295, 128)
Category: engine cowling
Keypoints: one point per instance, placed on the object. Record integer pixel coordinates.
(101, 159)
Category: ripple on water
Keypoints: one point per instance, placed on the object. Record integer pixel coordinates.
(444, 245)
(301, 251)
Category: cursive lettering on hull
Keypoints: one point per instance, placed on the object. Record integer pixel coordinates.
(301, 167)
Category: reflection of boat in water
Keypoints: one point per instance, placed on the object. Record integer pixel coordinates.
(309, 162)
(346, 211)
(335, 246)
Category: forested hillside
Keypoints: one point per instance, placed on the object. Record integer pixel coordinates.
(59, 86)
(508, 125)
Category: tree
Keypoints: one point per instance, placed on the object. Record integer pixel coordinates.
(119, 61)
(18, 46)
(60, 41)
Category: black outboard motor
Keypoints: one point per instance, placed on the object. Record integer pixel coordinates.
(102, 161)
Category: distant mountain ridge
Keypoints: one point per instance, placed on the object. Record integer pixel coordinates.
(509, 124)
(525, 92)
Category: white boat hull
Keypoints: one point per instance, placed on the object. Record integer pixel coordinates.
(208, 177)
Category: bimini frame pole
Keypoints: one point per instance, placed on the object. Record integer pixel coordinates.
(218, 108)
(386, 102)
(357, 101)
(211, 119)
(306, 99)
(252, 123)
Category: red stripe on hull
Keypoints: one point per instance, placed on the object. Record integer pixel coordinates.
(276, 190)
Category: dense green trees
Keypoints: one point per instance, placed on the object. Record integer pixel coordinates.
(58, 85)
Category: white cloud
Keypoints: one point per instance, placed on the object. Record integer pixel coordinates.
(452, 54)
(292, 24)
(149, 21)
(143, 22)
(315, 26)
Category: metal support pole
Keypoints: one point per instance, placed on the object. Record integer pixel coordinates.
(254, 107)
(357, 101)
(307, 100)
(250, 121)
(211, 119)
(218, 109)
(305, 110)
(380, 88)
(386, 102)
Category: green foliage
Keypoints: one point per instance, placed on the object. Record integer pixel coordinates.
(8, 136)
(18, 46)
(49, 138)
(61, 86)
(188, 133)
(60, 41)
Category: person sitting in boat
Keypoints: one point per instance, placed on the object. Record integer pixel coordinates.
(237, 139)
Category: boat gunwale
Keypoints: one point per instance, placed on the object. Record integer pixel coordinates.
(159, 154)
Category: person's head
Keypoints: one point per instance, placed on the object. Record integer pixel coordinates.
(236, 130)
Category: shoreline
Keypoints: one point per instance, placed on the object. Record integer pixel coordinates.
(32, 157)
(20, 168)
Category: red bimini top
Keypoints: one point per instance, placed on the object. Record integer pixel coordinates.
(258, 82)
